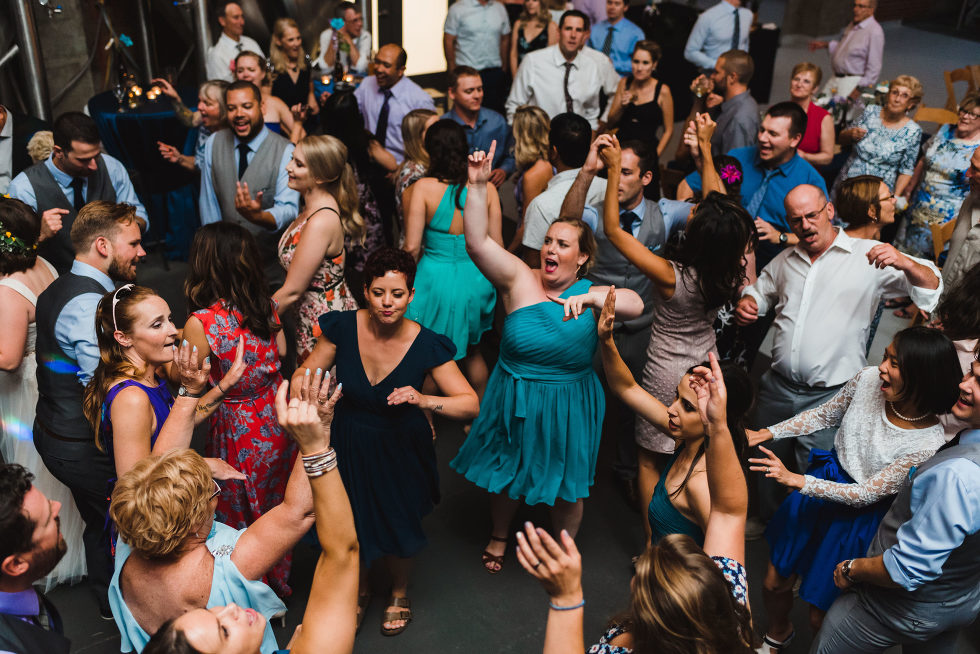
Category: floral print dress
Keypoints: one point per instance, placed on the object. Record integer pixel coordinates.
(245, 431)
(884, 151)
(327, 291)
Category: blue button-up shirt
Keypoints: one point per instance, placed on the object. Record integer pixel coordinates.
(405, 96)
(945, 505)
(626, 34)
(478, 28)
(286, 204)
(21, 189)
(74, 330)
(490, 126)
(712, 34)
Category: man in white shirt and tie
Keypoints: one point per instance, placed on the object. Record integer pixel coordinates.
(825, 290)
(565, 77)
(231, 43)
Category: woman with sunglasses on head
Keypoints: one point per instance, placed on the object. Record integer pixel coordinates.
(887, 419)
(195, 583)
(684, 599)
(127, 401)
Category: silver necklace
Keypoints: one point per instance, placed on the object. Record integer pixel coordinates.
(895, 411)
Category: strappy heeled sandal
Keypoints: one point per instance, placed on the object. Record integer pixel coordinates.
(497, 559)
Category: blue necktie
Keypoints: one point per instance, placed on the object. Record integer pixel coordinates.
(756, 201)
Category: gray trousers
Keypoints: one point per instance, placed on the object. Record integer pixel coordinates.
(870, 620)
(779, 399)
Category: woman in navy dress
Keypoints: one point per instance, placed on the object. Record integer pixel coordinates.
(383, 440)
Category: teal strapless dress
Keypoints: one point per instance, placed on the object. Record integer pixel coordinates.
(664, 517)
(452, 297)
(537, 435)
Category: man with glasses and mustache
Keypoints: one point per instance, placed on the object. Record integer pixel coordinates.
(856, 57)
(825, 290)
(107, 243)
(31, 545)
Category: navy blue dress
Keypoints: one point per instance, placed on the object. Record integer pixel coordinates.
(385, 453)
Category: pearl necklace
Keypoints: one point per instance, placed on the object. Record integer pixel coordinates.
(895, 411)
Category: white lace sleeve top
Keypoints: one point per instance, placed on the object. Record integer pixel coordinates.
(873, 451)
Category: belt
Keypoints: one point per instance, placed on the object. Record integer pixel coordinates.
(795, 385)
(50, 434)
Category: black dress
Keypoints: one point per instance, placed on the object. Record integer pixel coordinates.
(642, 122)
(524, 46)
(385, 453)
(292, 93)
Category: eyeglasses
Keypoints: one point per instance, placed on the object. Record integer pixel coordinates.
(903, 95)
(969, 115)
(809, 217)
(115, 301)
(885, 199)
(217, 490)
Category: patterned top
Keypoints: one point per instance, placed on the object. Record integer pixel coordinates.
(873, 451)
(884, 151)
(735, 576)
(944, 185)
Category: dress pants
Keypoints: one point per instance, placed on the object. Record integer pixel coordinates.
(781, 398)
(86, 472)
(872, 620)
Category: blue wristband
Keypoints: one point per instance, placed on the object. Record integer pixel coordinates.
(567, 608)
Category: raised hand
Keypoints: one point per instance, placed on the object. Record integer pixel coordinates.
(237, 369)
(557, 567)
(193, 370)
(705, 128)
(610, 152)
(315, 388)
(165, 87)
(220, 469)
(709, 384)
(608, 316)
(302, 418)
(51, 223)
(774, 469)
(246, 205)
(480, 165)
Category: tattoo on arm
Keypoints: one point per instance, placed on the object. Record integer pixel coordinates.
(437, 408)
(204, 408)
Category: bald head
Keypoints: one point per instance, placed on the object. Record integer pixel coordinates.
(809, 215)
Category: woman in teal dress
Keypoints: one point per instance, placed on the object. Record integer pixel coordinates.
(537, 435)
(452, 297)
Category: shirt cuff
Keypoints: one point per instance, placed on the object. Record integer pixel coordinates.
(759, 300)
(894, 569)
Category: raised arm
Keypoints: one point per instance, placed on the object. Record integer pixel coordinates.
(655, 267)
(725, 533)
(574, 203)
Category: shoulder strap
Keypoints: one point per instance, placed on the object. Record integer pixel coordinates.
(20, 288)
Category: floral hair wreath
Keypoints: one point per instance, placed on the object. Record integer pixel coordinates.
(730, 174)
(13, 244)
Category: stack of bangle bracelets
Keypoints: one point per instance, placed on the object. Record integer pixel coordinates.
(320, 463)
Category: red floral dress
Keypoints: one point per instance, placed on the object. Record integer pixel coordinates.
(327, 292)
(245, 431)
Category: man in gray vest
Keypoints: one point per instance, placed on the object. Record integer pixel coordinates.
(106, 238)
(920, 582)
(76, 172)
(244, 179)
(652, 223)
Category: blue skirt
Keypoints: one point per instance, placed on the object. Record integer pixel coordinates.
(809, 536)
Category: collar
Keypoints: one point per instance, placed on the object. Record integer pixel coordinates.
(8, 128)
(842, 241)
(393, 88)
(477, 3)
(559, 59)
(783, 169)
(640, 209)
(563, 176)
(60, 176)
(864, 24)
(256, 142)
(85, 270)
(970, 436)
(22, 603)
(227, 39)
(481, 118)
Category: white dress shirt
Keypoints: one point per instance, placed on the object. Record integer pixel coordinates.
(224, 51)
(824, 309)
(546, 206)
(540, 82)
(363, 44)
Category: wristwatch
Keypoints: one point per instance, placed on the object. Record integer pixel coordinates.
(846, 571)
(783, 238)
(183, 392)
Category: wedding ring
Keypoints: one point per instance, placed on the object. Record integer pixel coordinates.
(767, 470)
(537, 564)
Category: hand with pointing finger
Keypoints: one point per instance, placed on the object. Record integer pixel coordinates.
(51, 223)
(480, 165)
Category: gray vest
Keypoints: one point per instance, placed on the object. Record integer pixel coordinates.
(960, 576)
(260, 175)
(58, 249)
(59, 402)
(612, 267)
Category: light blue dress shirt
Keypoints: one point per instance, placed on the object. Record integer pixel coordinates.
(74, 330)
(490, 126)
(405, 96)
(625, 36)
(675, 214)
(286, 206)
(945, 505)
(477, 28)
(712, 34)
(21, 189)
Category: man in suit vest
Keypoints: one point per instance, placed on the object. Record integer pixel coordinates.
(16, 131)
(244, 179)
(106, 238)
(652, 223)
(77, 172)
(920, 582)
(31, 545)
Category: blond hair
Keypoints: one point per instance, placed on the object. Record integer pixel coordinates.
(531, 125)
(912, 84)
(326, 157)
(413, 125)
(161, 501)
(276, 55)
(40, 146)
(808, 67)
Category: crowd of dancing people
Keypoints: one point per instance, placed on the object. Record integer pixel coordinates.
(350, 288)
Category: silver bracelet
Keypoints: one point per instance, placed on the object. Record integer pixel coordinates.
(320, 463)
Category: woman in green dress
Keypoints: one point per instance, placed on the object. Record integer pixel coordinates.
(537, 436)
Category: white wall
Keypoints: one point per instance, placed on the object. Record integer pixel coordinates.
(422, 22)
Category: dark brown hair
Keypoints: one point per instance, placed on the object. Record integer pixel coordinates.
(22, 223)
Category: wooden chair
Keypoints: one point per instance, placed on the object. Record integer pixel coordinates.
(941, 235)
(936, 115)
(966, 74)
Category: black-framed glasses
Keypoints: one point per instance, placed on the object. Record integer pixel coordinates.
(809, 217)
(969, 115)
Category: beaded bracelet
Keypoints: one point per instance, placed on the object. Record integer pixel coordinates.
(567, 608)
(320, 463)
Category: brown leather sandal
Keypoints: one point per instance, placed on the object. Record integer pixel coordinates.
(363, 600)
(493, 558)
(403, 612)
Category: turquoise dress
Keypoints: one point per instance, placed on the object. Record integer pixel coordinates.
(537, 435)
(227, 585)
(452, 297)
(664, 517)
